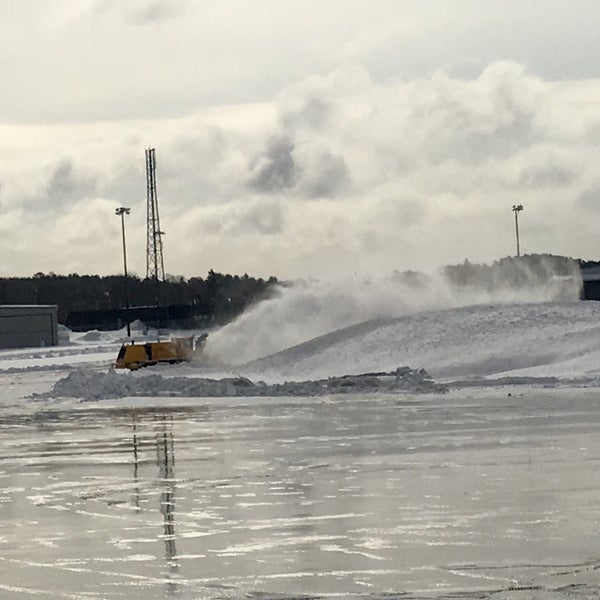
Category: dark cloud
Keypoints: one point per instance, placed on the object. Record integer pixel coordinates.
(67, 186)
(276, 169)
(313, 173)
(328, 177)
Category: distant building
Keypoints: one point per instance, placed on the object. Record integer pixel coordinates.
(590, 276)
(23, 326)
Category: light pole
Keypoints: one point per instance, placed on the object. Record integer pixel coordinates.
(121, 212)
(517, 208)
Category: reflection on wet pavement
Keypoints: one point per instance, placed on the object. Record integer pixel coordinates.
(457, 496)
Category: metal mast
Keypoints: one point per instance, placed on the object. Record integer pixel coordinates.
(155, 268)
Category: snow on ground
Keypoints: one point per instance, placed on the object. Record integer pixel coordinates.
(550, 339)
(311, 340)
(305, 310)
(482, 492)
(100, 386)
(550, 343)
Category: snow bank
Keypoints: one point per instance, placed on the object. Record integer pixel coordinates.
(88, 385)
(304, 310)
(502, 343)
(554, 339)
(550, 344)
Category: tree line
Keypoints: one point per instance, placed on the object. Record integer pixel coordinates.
(219, 295)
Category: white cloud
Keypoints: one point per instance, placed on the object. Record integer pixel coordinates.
(298, 139)
(89, 60)
(343, 173)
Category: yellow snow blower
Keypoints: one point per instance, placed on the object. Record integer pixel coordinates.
(135, 356)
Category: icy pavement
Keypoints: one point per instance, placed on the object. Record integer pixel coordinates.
(200, 481)
(473, 494)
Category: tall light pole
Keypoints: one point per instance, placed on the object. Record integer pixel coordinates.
(517, 208)
(121, 212)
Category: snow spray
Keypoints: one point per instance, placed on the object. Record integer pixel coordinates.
(303, 310)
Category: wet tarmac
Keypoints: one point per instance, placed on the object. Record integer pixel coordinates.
(473, 494)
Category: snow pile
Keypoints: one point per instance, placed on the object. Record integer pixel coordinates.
(88, 385)
(91, 336)
(494, 343)
(305, 310)
(552, 343)
(554, 339)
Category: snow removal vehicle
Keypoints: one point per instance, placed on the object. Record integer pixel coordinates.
(135, 356)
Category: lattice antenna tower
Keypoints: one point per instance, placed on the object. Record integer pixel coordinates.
(155, 268)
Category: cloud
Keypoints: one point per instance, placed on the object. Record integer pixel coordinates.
(275, 169)
(244, 219)
(66, 185)
(340, 173)
(589, 200)
(142, 12)
(324, 175)
(265, 217)
(310, 172)
(157, 11)
(490, 117)
(165, 59)
(59, 187)
(313, 112)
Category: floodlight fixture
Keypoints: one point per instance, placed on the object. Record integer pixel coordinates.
(517, 208)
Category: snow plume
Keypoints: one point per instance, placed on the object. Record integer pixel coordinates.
(306, 309)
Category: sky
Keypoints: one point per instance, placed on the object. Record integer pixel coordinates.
(300, 139)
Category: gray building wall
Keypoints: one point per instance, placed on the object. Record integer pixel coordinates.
(28, 326)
